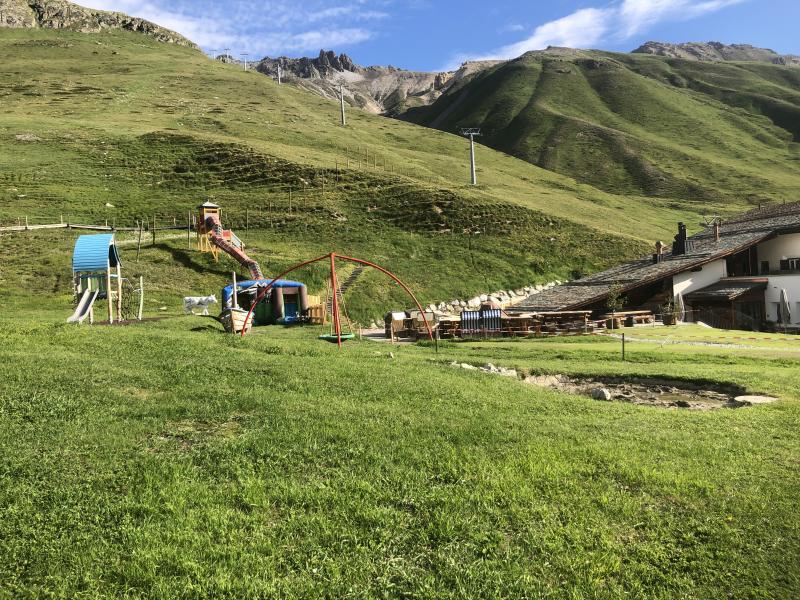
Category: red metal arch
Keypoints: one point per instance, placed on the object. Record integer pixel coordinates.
(336, 320)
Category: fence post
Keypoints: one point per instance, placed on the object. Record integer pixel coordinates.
(154, 230)
(141, 297)
(189, 230)
(139, 244)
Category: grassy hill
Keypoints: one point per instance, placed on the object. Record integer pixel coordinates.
(637, 124)
(154, 129)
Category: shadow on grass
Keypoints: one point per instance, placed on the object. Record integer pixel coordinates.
(187, 259)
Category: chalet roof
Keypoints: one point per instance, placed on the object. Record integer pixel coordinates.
(728, 289)
(736, 234)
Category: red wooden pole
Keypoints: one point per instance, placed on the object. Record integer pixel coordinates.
(336, 323)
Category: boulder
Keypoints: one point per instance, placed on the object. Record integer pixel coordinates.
(484, 297)
(474, 302)
(601, 394)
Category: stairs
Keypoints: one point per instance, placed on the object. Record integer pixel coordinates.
(343, 287)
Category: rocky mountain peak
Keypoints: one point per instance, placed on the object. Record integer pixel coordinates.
(60, 14)
(717, 52)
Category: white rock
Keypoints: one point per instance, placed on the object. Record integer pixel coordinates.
(474, 302)
(601, 394)
(484, 297)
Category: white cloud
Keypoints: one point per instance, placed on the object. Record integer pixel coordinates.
(620, 21)
(267, 28)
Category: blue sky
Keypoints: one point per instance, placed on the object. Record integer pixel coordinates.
(436, 35)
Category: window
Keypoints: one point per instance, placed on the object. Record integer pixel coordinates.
(790, 264)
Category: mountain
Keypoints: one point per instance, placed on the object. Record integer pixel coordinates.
(716, 51)
(386, 90)
(59, 14)
(636, 123)
(120, 127)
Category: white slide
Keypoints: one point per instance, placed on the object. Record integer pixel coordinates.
(84, 307)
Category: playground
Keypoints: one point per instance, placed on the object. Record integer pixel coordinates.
(255, 302)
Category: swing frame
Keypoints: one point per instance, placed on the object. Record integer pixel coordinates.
(334, 284)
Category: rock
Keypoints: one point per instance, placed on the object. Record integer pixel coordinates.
(484, 297)
(601, 394)
(474, 302)
(462, 304)
(27, 137)
(755, 399)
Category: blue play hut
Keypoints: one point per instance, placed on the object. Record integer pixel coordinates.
(97, 275)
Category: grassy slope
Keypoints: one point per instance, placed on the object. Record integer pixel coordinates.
(150, 128)
(639, 124)
(206, 465)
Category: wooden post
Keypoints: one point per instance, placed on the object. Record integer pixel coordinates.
(154, 230)
(26, 221)
(290, 199)
(141, 297)
(108, 296)
(119, 293)
(189, 230)
(623, 347)
(336, 323)
(270, 215)
(139, 244)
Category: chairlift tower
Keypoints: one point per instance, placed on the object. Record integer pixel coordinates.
(244, 55)
(471, 132)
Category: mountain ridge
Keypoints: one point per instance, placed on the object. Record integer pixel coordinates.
(716, 51)
(60, 14)
(377, 89)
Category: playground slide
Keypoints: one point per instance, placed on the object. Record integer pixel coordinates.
(239, 255)
(84, 306)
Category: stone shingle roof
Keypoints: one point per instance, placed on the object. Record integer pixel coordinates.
(728, 289)
(736, 234)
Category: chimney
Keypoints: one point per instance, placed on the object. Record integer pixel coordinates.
(659, 255)
(679, 245)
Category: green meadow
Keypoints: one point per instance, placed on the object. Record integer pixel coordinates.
(170, 460)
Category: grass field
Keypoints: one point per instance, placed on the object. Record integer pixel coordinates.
(169, 459)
